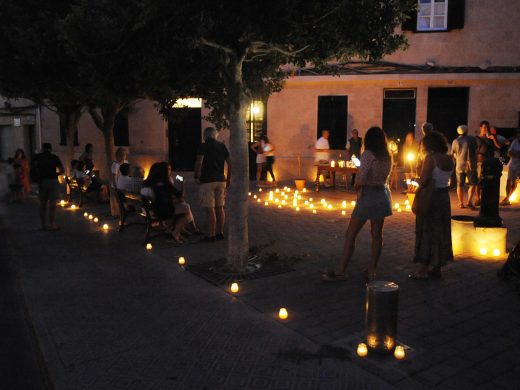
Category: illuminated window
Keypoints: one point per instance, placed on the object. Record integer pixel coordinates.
(433, 15)
(255, 120)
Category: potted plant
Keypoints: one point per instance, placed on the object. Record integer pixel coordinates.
(299, 182)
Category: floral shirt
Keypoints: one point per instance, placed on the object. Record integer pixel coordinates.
(373, 172)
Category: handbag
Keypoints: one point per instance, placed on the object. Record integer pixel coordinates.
(423, 198)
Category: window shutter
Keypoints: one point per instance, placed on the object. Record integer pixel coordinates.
(410, 24)
(456, 14)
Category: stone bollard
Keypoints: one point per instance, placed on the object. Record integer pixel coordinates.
(381, 315)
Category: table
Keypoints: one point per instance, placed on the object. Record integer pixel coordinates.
(332, 171)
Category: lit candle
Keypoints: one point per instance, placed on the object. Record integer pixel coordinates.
(310, 199)
(362, 350)
(283, 201)
(234, 287)
(344, 204)
(277, 190)
(259, 190)
(248, 194)
(314, 211)
(408, 207)
(85, 214)
(105, 227)
(271, 195)
(343, 212)
(91, 217)
(258, 200)
(406, 202)
(322, 200)
(389, 342)
(96, 219)
(62, 203)
(353, 203)
(266, 203)
(399, 352)
(283, 314)
(396, 206)
(306, 203)
(399, 210)
(483, 251)
(182, 260)
(73, 207)
(333, 163)
(496, 252)
(254, 196)
(372, 341)
(149, 246)
(279, 206)
(304, 190)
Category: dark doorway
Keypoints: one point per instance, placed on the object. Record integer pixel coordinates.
(184, 137)
(447, 109)
(332, 116)
(399, 114)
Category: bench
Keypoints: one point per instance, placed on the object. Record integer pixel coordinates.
(131, 204)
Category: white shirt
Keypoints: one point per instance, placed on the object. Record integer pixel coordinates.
(122, 182)
(115, 168)
(323, 154)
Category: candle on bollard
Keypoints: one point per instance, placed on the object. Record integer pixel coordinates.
(399, 352)
(182, 260)
(283, 314)
(362, 350)
(149, 246)
(234, 288)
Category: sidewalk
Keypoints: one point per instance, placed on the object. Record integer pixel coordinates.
(109, 314)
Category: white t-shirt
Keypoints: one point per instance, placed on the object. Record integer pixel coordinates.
(515, 147)
(122, 182)
(323, 154)
(115, 168)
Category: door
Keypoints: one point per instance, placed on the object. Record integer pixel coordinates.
(399, 114)
(447, 109)
(332, 116)
(184, 137)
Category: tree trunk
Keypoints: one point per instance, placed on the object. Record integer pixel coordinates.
(237, 216)
(70, 118)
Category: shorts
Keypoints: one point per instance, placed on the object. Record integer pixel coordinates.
(471, 175)
(513, 173)
(49, 189)
(213, 194)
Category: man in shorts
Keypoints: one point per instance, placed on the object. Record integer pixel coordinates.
(464, 149)
(209, 169)
(514, 168)
(47, 168)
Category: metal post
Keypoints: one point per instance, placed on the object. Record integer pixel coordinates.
(381, 315)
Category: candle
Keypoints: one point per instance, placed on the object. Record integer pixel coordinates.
(91, 217)
(408, 207)
(399, 352)
(182, 260)
(258, 200)
(333, 163)
(399, 210)
(353, 203)
(248, 194)
(329, 206)
(149, 246)
(362, 350)
(343, 212)
(254, 196)
(297, 208)
(396, 206)
(62, 203)
(234, 287)
(96, 219)
(304, 190)
(259, 190)
(277, 190)
(85, 214)
(314, 211)
(283, 201)
(496, 252)
(279, 206)
(266, 203)
(105, 227)
(344, 204)
(283, 314)
(483, 251)
(73, 207)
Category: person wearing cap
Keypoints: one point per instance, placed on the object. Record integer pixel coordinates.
(464, 150)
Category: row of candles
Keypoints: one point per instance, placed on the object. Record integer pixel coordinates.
(283, 313)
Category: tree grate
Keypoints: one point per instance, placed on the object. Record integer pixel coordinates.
(216, 272)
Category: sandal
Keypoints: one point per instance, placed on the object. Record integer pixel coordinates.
(418, 276)
(332, 276)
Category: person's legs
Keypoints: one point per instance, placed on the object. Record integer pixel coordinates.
(461, 178)
(354, 227)
(43, 212)
(259, 169)
(376, 229)
(52, 214)
(221, 216)
(212, 221)
(179, 224)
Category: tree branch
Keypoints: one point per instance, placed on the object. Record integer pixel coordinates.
(96, 117)
(215, 45)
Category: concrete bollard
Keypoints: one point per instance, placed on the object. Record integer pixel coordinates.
(381, 306)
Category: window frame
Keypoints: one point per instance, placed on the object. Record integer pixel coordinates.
(432, 16)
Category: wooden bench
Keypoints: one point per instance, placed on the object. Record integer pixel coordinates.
(131, 204)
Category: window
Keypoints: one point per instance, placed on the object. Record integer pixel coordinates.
(332, 116)
(255, 120)
(436, 16)
(63, 134)
(121, 137)
(432, 15)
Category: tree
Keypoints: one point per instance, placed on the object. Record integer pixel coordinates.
(237, 50)
(34, 62)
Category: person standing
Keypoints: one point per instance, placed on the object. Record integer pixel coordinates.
(258, 148)
(88, 157)
(212, 156)
(21, 159)
(47, 167)
(374, 204)
(464, 150)
(354, 150)
(513, 169)
(426, 128)
(269, 157)
(433, 248)
(485, 150)
(121, 155)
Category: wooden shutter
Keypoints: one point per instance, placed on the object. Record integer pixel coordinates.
(456, 10)
(410, 24)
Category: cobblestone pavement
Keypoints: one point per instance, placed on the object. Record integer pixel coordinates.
(111, 315)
